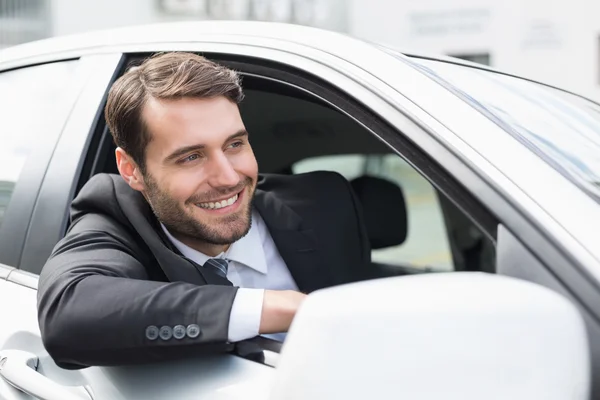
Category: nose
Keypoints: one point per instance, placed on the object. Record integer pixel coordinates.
(222, 173)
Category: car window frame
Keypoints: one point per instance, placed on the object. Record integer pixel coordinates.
(393, 89)
(287, 75)
(413, 138)
(47, 232)
(322, 92)
(15, 224)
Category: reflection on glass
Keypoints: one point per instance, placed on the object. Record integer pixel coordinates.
(29, 98)
(561, 128)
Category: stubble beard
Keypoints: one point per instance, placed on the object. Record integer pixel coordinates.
(225, 230)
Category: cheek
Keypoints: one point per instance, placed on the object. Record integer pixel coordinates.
(245, 164)
(179, 186)
(181, 191)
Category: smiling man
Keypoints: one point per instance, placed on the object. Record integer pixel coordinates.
(190, 250)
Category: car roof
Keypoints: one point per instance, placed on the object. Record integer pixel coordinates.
(142, 38)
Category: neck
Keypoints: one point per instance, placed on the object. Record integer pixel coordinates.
(211, 250)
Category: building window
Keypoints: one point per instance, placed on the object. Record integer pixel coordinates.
(23, 21)
(329, 14)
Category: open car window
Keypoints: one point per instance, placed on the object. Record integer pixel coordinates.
(426, 245)
(412, 227)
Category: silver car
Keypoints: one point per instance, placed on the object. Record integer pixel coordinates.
(488, 254)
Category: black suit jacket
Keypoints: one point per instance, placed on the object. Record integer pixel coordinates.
(114, 274)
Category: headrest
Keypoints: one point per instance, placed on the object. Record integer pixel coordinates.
(384, 210)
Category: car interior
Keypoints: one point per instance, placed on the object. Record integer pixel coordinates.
(412, 227)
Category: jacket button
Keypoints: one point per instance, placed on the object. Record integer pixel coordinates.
(165, 332)
(193, 331)
(179, 332)
(151, 332)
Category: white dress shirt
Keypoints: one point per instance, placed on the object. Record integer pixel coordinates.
(254, 265)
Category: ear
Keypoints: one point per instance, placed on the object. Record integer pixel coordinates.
(129, 170)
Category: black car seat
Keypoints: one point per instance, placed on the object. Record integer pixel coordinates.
(386, 220)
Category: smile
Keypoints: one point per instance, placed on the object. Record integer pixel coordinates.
(219, 204)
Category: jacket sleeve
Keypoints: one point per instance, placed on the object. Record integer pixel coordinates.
(98, 306)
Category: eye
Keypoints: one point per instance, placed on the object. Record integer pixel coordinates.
(236, 145)
(190, 158)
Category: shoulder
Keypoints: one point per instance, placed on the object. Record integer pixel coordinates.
(311, 184)
(320, 194)
(102, 187)
(97, 191)
(109, 195)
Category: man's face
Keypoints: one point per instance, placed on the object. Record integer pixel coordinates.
(201, 172)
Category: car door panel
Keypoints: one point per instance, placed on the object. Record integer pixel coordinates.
(19, 329)
(218, 377)
(515, 260)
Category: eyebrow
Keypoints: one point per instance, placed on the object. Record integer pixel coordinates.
(187, 149)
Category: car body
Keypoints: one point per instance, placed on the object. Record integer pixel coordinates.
(475, 151)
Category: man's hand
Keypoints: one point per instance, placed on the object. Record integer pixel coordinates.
(279, 309)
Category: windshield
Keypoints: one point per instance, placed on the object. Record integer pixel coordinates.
(561, 128)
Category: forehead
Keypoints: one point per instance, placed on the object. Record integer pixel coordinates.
(190, 121)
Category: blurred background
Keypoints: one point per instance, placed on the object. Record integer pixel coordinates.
(554, 41)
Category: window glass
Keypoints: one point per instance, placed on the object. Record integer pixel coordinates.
(30, 100)
(561, 128)
(427, 243)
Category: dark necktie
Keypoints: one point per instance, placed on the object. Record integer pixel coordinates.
(218, 266)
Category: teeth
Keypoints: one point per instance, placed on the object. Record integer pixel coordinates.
(219, 204)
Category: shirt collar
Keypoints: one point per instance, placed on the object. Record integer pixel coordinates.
(248, 250)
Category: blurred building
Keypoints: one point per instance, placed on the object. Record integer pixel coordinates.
(25, 20)
(554, 41)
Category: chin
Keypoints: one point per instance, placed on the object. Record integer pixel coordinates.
(229, 236)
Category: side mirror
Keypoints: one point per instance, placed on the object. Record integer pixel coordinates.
(467, 336)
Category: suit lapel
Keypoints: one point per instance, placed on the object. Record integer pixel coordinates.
(209, 277)
(296, 243)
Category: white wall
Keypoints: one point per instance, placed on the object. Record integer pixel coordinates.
(554, 41)
(74, 16)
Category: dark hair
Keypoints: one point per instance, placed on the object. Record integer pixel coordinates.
(171, 75)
